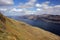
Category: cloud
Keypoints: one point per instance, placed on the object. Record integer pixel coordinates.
(45, 8)
(3, 9)
(28, 4)
(6, 2)
(16, 10)
(38, 9)
(44, 5)
(28, 12)
(24, 9)
(38, 5)
(49, 10)
(57, 6)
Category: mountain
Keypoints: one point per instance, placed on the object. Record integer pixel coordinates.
(47, 22)
(16, 30)
(37, 17)
(52, 18)
(31, 17)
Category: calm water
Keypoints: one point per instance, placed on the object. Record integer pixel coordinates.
(52, 27)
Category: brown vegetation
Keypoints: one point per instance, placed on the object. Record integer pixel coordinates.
(16, 30)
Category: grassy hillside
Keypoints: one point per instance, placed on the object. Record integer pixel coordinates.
(14, 30)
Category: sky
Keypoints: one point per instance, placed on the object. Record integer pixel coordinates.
(27, 7)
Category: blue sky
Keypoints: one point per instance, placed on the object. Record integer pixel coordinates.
(55, 2)
(26, 7)
(20, 1)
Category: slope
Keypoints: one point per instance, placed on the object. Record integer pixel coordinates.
(15, 30)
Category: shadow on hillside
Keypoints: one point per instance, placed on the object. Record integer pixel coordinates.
(2, 18)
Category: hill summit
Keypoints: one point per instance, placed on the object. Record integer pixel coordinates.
(16, 30)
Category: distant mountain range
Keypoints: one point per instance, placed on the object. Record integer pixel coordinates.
(55, 18)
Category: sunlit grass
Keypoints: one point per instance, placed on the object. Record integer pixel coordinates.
(17, 30)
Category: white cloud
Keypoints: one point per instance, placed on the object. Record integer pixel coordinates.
(6, 2)
(57, 6)
(38, 9)
(29, 4)
(28, 12)
(16, 10)
(43, 8)
(38, 5)
(3, 9)
(47, 9)
(44, 5)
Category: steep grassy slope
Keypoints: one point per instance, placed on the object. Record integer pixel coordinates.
(14, 30)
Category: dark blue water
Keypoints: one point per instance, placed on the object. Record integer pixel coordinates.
(52, 27)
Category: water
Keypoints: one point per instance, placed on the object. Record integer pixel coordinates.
(52, 27)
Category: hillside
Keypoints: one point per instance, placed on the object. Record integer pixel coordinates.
(15, 30)
(52, 18)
